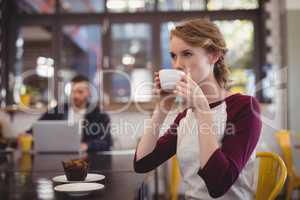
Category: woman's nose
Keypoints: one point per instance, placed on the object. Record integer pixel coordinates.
(178, 65)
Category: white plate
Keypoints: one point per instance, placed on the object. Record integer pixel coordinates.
(78, 189)
(89, 178)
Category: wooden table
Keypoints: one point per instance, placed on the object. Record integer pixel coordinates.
(28, 176)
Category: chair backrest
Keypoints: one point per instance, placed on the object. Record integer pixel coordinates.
(175, 179)
(271, 177)
(283, 139)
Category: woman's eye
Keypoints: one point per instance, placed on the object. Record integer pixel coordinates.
(187, 54)
(173, 56)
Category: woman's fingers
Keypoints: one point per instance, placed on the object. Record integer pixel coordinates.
(156, 91)
(186, 89)
(156, 80)
(180, 90)
(184, 85)
(157, 85)
(183, 78)
(179, 93)
(181, 84)
(180, 87)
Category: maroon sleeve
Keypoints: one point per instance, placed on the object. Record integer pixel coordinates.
(165, 148)
(241, 136)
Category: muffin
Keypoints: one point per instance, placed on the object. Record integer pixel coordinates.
(75, 169)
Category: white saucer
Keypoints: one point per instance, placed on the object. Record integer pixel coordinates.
(78, 189)
(89, 178)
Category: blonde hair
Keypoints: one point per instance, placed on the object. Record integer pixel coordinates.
(204, 33)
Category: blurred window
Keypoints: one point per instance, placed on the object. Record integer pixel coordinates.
(82, 6)
(37, 6)
(232, 4)
(131, 62)
(129, 50)
(130, 5)
(81, 54)
(34, 67)
(181, 5)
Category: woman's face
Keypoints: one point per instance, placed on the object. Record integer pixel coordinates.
(193, 60)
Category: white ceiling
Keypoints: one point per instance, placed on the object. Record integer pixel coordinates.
(293, 4)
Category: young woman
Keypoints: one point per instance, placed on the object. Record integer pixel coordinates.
(215, 135)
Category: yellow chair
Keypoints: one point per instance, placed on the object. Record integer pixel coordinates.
(271, 177)
(175, 179)
(283, 139)
(269, 184)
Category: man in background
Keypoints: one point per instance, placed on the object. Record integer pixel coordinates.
(96, 124)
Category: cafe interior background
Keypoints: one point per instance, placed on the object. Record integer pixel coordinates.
(118, 44)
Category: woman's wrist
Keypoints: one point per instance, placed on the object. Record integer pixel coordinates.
(153, 125)
(163, 106)
(200, 104)
(160, 112)
(205, 116)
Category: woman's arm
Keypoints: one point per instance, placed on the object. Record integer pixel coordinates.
(194, 98)
(242, 133)
(220, 166)
(151, 133)
(148, 151)
(161, 150)
(208, 142)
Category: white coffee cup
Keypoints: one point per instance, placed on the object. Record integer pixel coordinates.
(169, 78)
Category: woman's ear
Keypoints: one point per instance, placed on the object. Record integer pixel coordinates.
(214, 57)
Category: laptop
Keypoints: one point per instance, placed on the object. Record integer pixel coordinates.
(56, 136)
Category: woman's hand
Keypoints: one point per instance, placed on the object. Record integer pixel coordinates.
(192, 94)
(164, 99)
